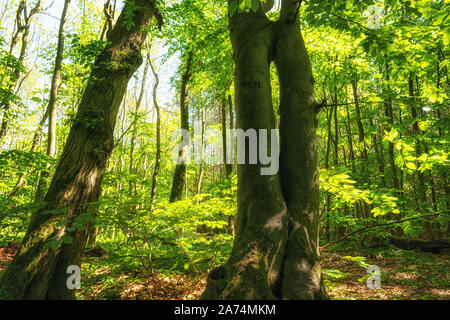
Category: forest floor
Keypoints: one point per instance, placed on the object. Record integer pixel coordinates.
(405, 275)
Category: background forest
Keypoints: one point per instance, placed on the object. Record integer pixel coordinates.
(380, 68)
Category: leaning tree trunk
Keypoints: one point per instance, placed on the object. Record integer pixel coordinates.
(275, 252)
(37, 271)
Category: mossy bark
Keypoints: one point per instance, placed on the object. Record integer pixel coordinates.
(39, 272)
(275, 251)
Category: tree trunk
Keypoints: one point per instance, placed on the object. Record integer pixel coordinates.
(348, 128)
(379, 154)
(231, 150)
(422, 205)
(179, 177)
(362, 142)
(132, 167)
(53, 100)
(202, 152)
(158, 134)
(22, 29)
(227, 166)
(329, 116)
(275, 252)
(390, 115)
(39, 272)
(34, 144)
(336, 130)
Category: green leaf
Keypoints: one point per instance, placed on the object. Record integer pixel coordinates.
(67, 239)
(411, 165)
(52, 244)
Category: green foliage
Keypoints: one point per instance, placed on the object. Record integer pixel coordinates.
(131, 7)
(187, 235)
(377, 47)
(83, 53)
(10, 70)
(244, 5)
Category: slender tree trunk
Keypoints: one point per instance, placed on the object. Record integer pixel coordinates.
(379, 154)
(179, 177)
(53, 101)
(275, 252)
(421, 188)
(390, 115)
(37, 271)
(34, 144)
(350, 139)
(422, 203)
(231, 151)
(202, 150)
(329, 137)
(108, 10)
(336, 129)
(361, 133)
(227, 166)
(444, 179)
(132, 168)
(22, 30)
(158, 133)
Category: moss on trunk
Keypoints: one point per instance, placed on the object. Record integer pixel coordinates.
(38, 272)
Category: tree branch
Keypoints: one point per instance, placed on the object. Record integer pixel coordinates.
(382, 225)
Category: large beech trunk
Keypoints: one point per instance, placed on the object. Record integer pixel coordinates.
(275, 252)
(39, 272)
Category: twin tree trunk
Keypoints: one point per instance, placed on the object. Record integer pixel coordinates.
(275, 252)
(37, 271)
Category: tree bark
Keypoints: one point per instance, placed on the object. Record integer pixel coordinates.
(336, 129)
(348, 128)
(231, 150)
(39, 272)
(227, 166)
(179, 177)
(275, 252)
(202, 120)
(362, 142)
